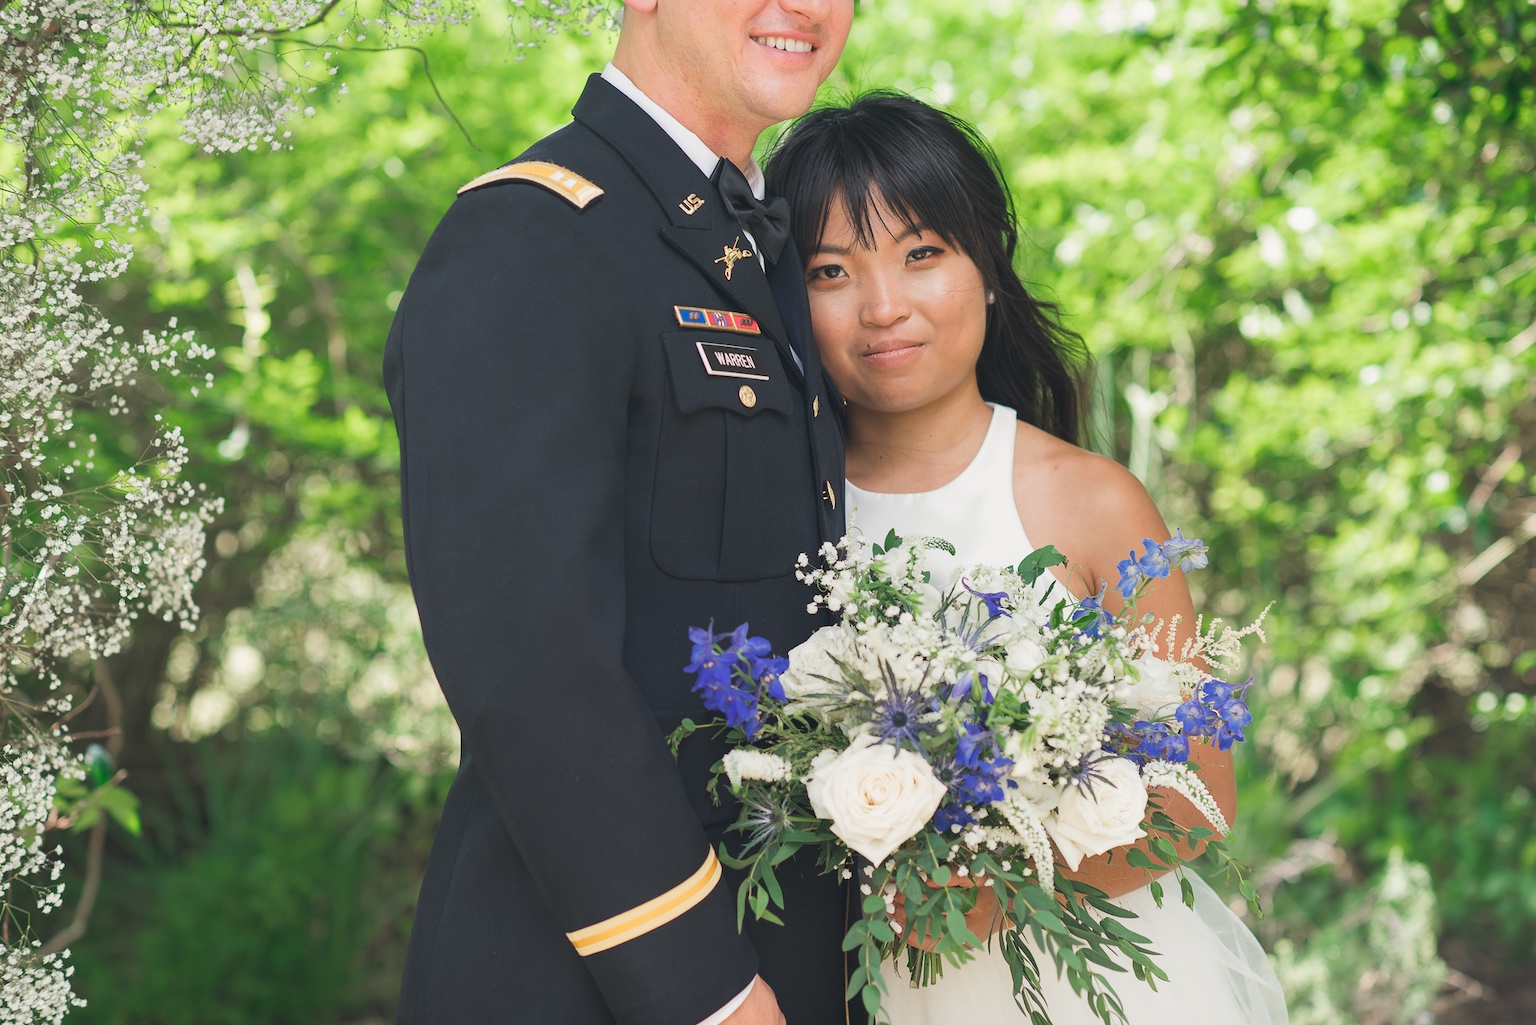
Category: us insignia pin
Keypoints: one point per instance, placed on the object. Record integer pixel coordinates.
(716, 320)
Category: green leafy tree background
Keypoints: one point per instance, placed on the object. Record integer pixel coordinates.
(1298, 235)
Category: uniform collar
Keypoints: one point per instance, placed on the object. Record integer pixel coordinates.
(704, 158)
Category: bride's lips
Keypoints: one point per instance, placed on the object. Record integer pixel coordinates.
(892, 353)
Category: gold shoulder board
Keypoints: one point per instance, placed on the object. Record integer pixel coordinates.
(572, 186)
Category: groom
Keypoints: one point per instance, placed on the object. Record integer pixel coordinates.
(614, 426)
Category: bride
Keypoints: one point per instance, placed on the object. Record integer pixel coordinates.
(963, 413)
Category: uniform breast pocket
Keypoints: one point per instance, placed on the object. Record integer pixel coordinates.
(732, 468)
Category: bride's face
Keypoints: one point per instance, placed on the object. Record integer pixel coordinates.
(899, 325)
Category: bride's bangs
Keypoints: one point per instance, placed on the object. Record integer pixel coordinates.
(879, 165)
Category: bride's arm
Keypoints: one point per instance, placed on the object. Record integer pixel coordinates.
(1100, 514)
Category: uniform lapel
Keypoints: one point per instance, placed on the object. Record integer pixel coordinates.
(703, 236)
(787, 280)
(747, 287)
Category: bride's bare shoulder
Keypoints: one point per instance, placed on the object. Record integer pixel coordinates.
(1089, 506)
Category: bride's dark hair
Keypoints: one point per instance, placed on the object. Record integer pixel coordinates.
(933, 170)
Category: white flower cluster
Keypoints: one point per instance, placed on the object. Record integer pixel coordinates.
(905, 656)
(89, 542)
(745, 763)
(551, 17)
(33, 987)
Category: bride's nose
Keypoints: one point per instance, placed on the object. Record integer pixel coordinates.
(883, 304)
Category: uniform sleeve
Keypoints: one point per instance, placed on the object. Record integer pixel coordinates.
(509, 370)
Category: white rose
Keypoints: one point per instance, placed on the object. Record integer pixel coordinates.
(1024, 657)
(1088, 824)
(811, 663)
(1155, 694)
(929, 598)
(875, 796)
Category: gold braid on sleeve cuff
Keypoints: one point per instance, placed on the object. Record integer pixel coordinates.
(653, 914)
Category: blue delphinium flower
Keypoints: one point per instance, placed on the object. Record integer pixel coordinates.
(1130, 575)
(1154, 563)
(1193, 717)
(993, 599)
(972, 743)
(715, 668)
(1234, 716)
(1215, 692)
(1092, 617)
(1186, 553)
(1153, 737)
(706, 657)
(966, 683)
(951, 815)
(766, 671)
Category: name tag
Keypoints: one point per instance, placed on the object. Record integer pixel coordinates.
(730, 361)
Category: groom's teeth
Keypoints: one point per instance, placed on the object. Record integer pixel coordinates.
(787, 45)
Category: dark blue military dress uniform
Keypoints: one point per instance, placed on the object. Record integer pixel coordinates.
(605, 439)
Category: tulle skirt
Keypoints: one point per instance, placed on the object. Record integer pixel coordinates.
(1216, 972)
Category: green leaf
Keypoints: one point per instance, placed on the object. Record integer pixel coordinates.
(1038, 561)
(772, 883)
(873, 904)
(122, 806)
(1187, 891)
(1050, 920)
(1164, 849)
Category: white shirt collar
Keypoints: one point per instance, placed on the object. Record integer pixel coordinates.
(691, 145)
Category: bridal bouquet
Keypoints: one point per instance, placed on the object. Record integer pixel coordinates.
(939, 743)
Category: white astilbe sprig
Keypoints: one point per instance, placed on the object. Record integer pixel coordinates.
(1218, 645)
(1180, 778)
(1031, 833)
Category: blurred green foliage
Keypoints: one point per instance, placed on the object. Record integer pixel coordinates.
(1298, 235)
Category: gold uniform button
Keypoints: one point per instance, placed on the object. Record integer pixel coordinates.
(829, 494)
(816, 406)
(747, 396)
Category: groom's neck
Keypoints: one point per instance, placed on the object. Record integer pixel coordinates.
(728, 131)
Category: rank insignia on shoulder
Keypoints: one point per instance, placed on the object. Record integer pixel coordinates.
(732, 361)
(562, 182)
(716, 320)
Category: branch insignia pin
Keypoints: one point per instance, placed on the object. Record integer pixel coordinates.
(733, 252)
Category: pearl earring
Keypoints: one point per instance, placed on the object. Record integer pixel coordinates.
(991, 297)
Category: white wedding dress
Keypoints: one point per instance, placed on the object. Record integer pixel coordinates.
(1217, 971)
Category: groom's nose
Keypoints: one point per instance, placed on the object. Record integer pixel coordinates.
(814, 10)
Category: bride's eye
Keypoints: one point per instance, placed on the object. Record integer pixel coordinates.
(825, 272)
(921, 253)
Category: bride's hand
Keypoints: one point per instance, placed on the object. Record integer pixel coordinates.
(984, 919)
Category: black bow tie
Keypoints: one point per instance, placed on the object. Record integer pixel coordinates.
(767, 222)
